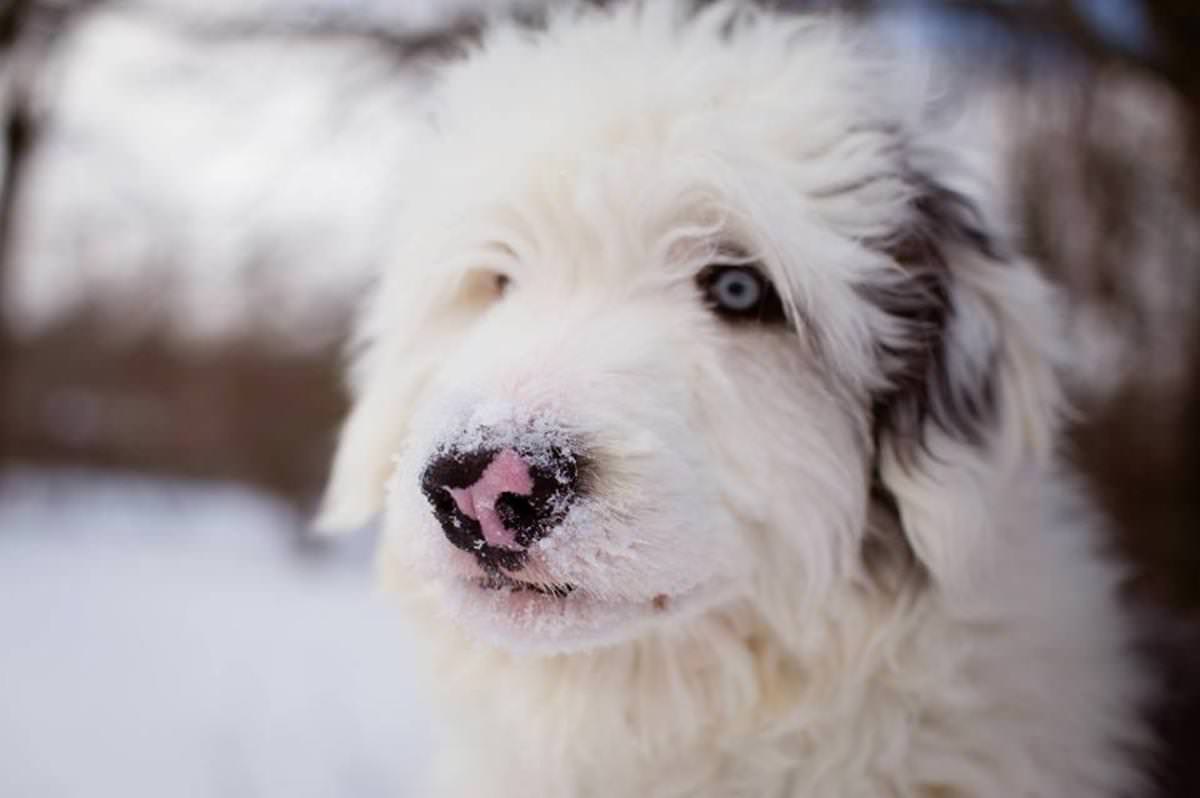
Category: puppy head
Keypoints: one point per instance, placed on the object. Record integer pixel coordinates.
(684, 315)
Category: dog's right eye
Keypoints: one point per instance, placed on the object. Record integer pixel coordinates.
(501, 283)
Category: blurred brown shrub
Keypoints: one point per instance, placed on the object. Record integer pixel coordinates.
(234, 410)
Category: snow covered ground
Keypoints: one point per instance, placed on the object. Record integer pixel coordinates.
(170, 640)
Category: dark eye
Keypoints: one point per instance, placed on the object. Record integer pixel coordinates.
(502, 281)
(740, 293)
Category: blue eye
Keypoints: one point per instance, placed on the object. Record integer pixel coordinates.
(740, 293)
(736, 290)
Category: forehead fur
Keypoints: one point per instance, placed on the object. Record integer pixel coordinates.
(601, 138)
(659, 99)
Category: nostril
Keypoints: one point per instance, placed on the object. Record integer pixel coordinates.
(516, 512)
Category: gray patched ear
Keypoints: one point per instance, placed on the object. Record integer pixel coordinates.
(937, 379)
(971, 391)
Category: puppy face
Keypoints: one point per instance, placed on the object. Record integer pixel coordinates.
(627, 362)
(618, 437)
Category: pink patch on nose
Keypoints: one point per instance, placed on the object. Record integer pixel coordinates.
(507, 473)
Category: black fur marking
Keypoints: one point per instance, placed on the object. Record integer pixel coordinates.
(923, 394)
(922, 390)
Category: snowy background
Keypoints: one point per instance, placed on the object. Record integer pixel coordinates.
(170, 639)
(175, 637)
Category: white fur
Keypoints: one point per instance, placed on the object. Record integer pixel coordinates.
(727, 637)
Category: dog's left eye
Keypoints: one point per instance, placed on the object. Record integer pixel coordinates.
(740, 293)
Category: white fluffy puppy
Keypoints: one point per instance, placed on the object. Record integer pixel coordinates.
(713, 419)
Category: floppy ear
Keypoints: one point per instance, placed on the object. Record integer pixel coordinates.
(361, 464)
(403, 337)
(970, 411)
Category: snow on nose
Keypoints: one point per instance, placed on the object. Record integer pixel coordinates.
(507, 473)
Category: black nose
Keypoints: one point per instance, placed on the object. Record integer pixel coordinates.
(494, 502)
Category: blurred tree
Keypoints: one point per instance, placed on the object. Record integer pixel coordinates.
(1157, 41)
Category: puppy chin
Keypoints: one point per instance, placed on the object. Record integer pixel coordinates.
(555, 604)
(523, 621)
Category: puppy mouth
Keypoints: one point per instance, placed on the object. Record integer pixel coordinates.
(497, 581)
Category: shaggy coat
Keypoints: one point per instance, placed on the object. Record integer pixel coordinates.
(715, 272)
